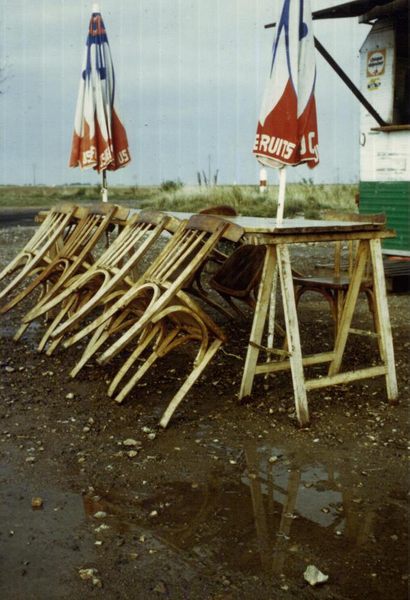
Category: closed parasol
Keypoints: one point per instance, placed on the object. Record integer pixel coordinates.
(287, 128)
(99, 139)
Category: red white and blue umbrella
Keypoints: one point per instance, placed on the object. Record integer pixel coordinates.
(287, 128)
(99, 139)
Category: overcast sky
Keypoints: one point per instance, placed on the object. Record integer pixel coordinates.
(190, 78)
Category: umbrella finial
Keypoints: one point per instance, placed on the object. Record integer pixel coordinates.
(96, 7)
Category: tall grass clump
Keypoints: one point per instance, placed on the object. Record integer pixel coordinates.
(302, 199)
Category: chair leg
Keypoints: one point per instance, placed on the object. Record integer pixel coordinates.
(43, 307)
(101, 334)
(184, 389)
(43, 279)
(137, 376)
(373, 310)
(20, 331)
(337, 308)
(206, 298)
(25, 271)
(94, 344)
(110, 312)
(25, 324)
(16, 263)
(72, 305)
(130, 361)
(335, 301)
(148, 362)
(53, 345)
(84, 310)
(58, 318)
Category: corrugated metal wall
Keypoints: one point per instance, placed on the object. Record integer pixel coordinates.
(393, 199)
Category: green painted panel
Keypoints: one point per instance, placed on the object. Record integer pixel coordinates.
(393, 199)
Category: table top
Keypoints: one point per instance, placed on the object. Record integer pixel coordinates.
(289, 226)
(302, 227)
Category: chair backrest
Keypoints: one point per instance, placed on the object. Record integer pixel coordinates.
(176, 265)
(331, 215)
(92, 223)
(241, 271)
(139, 233)
(190, 247)
(219, 209)
(53, 226)
(88, 227)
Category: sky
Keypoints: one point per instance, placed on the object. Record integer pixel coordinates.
(190, 76)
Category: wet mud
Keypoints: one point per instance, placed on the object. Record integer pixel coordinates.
(232, 501)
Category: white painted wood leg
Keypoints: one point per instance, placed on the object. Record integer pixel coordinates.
(292, 334)
(258, 324)
(272, 312)
(383, 317)
(349, 306)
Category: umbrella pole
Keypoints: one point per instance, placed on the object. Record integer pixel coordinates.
(281, 196)
(104, 189)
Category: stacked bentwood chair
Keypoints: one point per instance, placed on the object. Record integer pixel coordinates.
(148, 314)
(111, 274)
(39, 250)
(70, 253)
(155, 315)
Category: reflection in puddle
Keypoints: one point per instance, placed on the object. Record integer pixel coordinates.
(279, 515)
(39, 549)
(31, 335)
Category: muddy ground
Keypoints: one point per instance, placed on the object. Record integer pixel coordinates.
(232, 501)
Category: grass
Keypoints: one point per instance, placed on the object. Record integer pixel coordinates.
(303, 198)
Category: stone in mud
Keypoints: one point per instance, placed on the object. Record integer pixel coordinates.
(37, 502)
(90, 575)
(313, 576)
(130, 442)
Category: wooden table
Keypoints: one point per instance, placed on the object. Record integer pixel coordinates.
(277, 240)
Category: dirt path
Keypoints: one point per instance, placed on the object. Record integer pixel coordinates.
(12, 217)
(231, 502)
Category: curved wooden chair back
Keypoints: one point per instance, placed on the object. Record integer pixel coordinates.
(156, 313)
(73, 255)
(173, 269)
(172, 318)
(82, 293)
(40, 248)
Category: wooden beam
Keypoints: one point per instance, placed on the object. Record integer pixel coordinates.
(345, 78)
(346, 377)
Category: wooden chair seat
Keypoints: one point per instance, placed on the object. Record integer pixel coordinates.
(219, 209)
(333, 282)
(334, 287)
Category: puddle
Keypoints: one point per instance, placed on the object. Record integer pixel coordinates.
(31, 336)
(278, 516)
(40, 549)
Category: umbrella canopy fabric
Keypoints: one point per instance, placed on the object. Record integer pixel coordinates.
(287, 128)
(99, 140)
